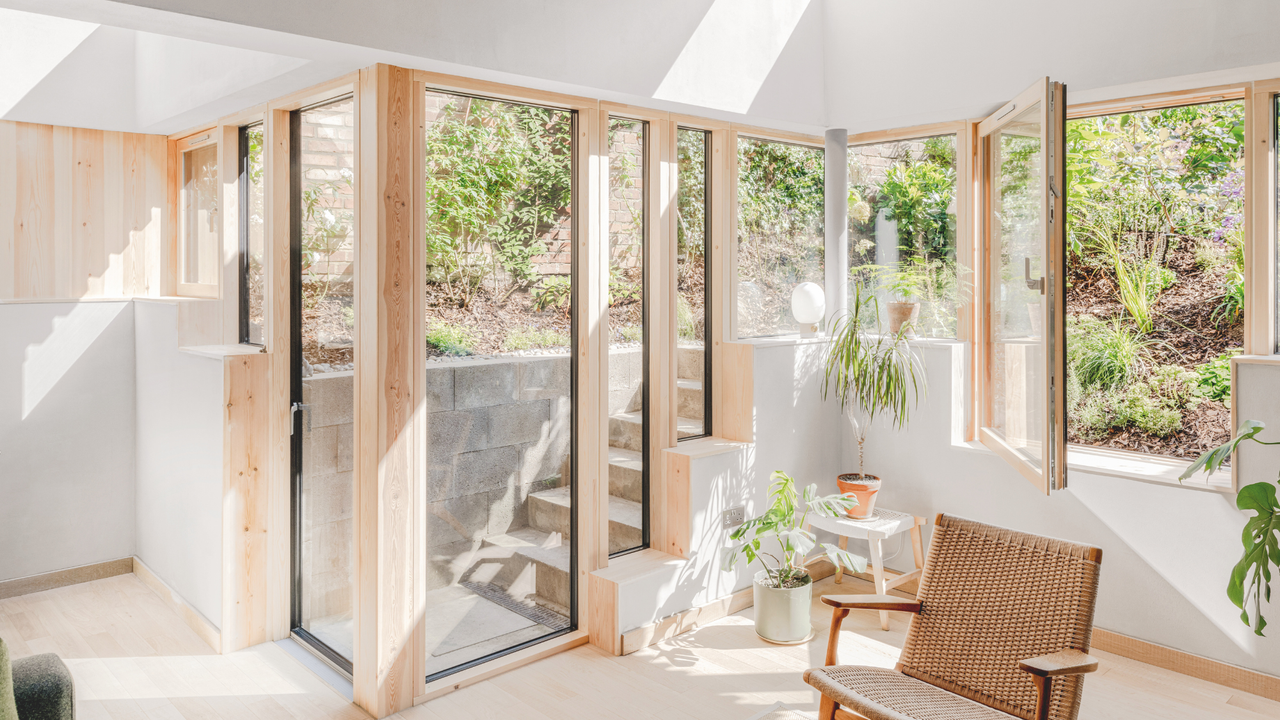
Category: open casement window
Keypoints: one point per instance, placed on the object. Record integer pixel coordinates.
(1021, 354)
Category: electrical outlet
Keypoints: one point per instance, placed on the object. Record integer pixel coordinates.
(733, 517)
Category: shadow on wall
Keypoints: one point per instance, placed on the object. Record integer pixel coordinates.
(1168, 551)
(67, 444)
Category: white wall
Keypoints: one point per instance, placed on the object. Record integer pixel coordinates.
(179, 460)
(796, 432)
(1167, 550)
(66, 435)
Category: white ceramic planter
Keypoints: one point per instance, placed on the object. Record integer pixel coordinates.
(782, 614)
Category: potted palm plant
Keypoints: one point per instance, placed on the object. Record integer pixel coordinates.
(783, 589)
(872, 374)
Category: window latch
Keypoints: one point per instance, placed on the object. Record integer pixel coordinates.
(293, 411)
(1026, 275)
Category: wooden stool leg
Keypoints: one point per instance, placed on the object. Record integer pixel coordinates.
(877, 571)
(843, 542)
(917, 546)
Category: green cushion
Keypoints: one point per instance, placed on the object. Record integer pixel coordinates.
(8, 709)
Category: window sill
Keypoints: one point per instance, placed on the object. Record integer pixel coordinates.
(1129, 466)
(218, 352)
(1143, 468)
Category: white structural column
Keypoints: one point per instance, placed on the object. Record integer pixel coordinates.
(837, 221)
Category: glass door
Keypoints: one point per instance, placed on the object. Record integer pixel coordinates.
(1023, 186)
(499, 296)
(322, 240)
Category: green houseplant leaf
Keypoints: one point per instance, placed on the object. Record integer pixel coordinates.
(1251, 578)
(779, 538)
(1212, 461)
(1250, 583)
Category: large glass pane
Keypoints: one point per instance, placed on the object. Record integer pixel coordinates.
(200, 216)
(325, 317)
(253, 233)
(780, 232)
(499, 310)
(1155, 277)
(1016, 262)
(693, 360)
(628, 389)
(902, 232)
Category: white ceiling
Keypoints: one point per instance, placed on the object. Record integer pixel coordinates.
(166, 65)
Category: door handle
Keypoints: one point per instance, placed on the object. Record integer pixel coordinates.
(306, 414)
(1037, 284)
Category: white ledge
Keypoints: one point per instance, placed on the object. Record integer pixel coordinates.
(1143, 468)
(218, 352)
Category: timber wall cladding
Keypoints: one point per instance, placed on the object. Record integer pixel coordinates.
(82, 212)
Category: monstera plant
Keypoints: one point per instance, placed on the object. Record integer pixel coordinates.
(1250, 583)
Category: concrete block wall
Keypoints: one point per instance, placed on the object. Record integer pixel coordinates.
(498, 430)
(328, 493)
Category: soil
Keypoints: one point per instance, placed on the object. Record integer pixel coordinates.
(1186, 334)
(326, 338)
(489, 317)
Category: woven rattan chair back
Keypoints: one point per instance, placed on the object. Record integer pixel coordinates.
(991, 597)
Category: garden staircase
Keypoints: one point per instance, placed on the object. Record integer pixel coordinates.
(539, 545)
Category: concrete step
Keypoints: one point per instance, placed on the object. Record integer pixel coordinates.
(626, 430)
(690, 362)
(549, 513)
(626, 474)
(689, 399)
(548, 554)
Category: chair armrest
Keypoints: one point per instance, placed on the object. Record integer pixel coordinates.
(872, 602)
(1065, 662)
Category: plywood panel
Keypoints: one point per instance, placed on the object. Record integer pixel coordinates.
(33, 238)
(245, 502)
(389, 349)
(81, 212)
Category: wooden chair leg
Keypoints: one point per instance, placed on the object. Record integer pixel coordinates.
(1044, 693)
(827, 710)
(833, 638)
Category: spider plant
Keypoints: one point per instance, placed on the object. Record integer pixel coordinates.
(871, 373)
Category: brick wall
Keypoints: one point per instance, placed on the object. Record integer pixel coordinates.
(328, 157)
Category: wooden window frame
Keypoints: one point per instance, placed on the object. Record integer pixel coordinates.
(179, 147)
(730, 254)
(967, 259)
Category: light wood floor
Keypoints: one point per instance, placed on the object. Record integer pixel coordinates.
(132, 657)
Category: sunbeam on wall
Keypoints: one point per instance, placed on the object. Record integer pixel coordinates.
(729, 56)
(72, 334)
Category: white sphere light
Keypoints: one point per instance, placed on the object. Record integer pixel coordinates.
(808, 303)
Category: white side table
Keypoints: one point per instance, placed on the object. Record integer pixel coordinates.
(884, 524)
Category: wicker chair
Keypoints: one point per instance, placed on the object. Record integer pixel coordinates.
(1001, 629)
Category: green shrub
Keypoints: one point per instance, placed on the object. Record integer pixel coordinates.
(631, 333)
(527, 339)
(451, 339)
(1215, 377)
(552, 292)
(1153, 404)
(686, 328)
(1103, 355)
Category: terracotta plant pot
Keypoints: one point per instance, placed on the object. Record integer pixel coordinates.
(902, 314)
(863, 487)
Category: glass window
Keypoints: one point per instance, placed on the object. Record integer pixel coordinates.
(902, 232)
(499, 294)
(253, 248)
(323, 218)
(693, 285)
(780, 232)
(1155, 277)
(198, 261)
(628, 323)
